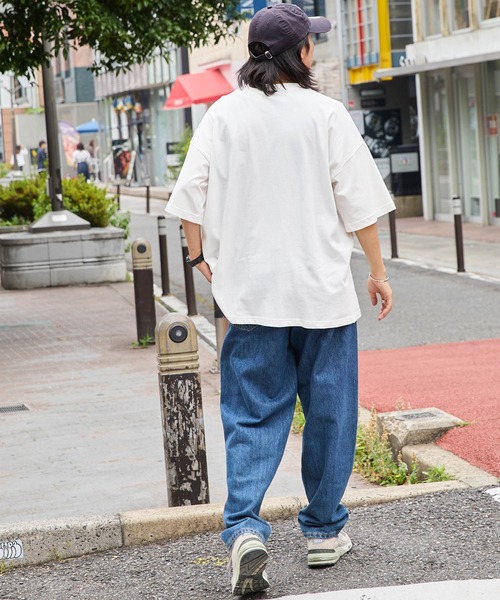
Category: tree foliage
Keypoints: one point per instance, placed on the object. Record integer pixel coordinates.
(121, 32)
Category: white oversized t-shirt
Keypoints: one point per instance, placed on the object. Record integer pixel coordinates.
(278, 184)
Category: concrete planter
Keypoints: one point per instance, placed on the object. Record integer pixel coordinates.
(60, 258)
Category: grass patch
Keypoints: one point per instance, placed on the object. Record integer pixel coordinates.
(144, 342)
(299, 420)
(374, 459)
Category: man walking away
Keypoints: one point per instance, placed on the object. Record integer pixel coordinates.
(276, 182)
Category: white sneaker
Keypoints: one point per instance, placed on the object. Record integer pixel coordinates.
(325, 552)
(248, 561)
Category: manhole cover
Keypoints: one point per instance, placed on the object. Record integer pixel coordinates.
(13, 408)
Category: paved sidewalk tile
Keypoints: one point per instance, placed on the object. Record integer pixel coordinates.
(91, 442)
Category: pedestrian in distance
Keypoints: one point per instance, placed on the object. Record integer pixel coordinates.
(41, 157)
(21, 154)
(81, 160)
(276, 183)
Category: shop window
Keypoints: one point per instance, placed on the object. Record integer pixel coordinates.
(490, 9)
(459, 14)
(432, 18)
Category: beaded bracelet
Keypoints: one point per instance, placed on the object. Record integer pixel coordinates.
(378, 280)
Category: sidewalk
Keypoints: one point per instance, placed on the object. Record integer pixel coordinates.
(91, 439)
(432, 244)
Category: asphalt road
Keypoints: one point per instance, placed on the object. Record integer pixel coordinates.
(446, 536)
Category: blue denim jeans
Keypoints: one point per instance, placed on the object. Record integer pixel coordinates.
(262, 371)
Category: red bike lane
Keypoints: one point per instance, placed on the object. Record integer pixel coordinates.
(461, 378)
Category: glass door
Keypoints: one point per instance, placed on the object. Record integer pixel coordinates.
(493, 137)
(440, 146)
(468, 145)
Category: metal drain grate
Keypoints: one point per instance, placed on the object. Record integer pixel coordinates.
(13, 408)
(420, 415)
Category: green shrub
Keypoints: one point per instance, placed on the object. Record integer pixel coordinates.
(5, 169)
(82, 198)
(24, 201)
(17, 199)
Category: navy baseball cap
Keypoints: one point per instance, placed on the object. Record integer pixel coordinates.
(282, 26)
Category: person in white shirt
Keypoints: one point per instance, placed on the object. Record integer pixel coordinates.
(276, 183)
(81, 160)
(21, 154)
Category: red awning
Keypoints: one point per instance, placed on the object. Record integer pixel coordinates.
(197, 88)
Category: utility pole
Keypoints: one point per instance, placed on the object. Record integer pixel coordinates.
(188, 115)
(54, 179)
(13, 120)
(57, 219)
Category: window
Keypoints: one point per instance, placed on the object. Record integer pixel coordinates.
(401, 28)
(459, 14)
(490, 9)
(432, 18)
(361, 29)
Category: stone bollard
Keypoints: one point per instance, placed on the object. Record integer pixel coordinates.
(459, 238)
(182, 411)
(145, 311)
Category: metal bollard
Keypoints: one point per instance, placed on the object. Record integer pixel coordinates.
(147, 199)
(459, 238)
(221, 327)
(188, 277)
(162, 239)
(118, 195)
(392, 229)
(142, 266)
(182, 411)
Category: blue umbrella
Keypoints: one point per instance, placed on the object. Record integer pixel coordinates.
(91, 126)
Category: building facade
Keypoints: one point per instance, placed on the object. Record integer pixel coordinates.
(375, 34)
(455, 58)
(22, 104)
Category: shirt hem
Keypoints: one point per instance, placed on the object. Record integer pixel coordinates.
(183, 214)
(367, 221)
(329, 324)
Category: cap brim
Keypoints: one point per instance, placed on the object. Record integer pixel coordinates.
(319, 25)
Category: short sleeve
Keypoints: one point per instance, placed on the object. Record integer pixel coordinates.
(360, 193)
(189, 196)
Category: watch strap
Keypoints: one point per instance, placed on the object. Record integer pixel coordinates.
(195, 261)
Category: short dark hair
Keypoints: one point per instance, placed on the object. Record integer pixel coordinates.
(285, 67)
(80, 146)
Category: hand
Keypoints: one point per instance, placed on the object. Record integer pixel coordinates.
(204, 269)
(385, 292)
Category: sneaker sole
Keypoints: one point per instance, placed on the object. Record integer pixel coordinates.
(251, 577)
(326, 558)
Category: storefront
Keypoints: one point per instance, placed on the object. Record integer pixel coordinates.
(455, 58)
(461, 141)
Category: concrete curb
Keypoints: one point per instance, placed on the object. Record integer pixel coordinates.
(58, 539)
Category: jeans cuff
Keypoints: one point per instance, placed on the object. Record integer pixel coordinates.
(320, 535)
